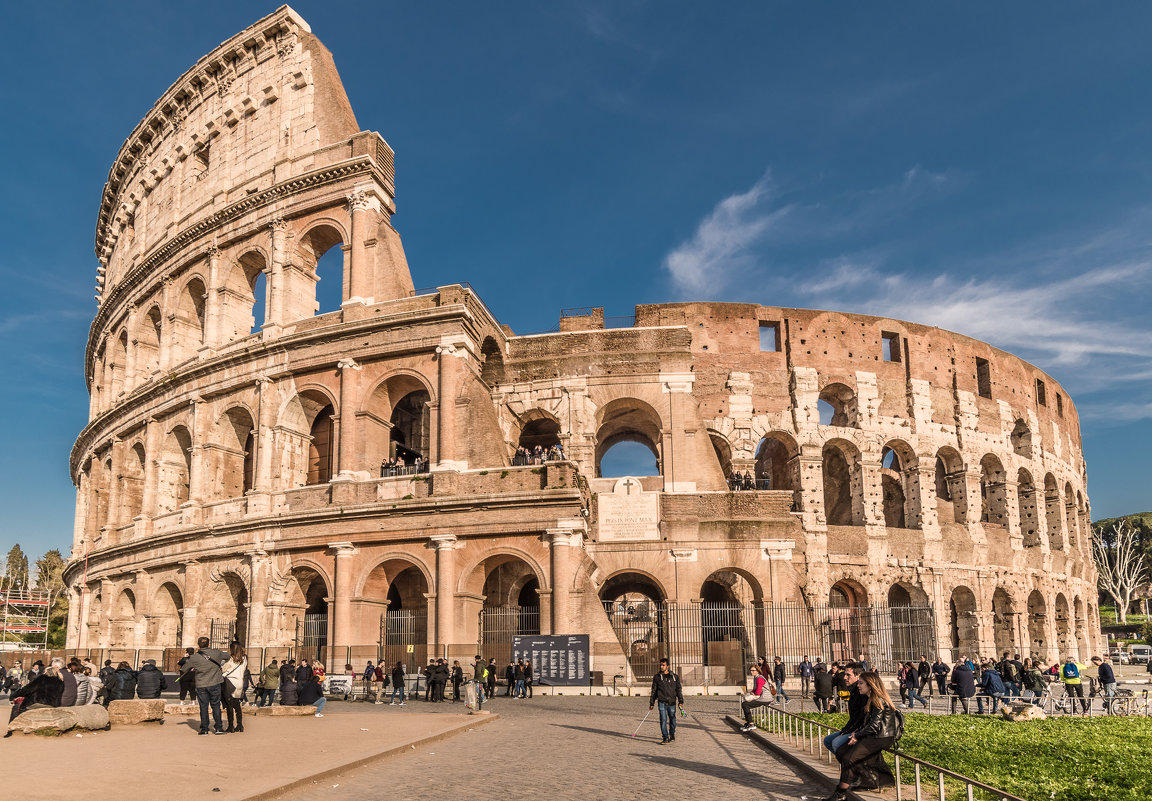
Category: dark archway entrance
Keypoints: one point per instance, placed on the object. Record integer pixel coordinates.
(634, 604)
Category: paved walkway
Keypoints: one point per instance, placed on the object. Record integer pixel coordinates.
(563, 747)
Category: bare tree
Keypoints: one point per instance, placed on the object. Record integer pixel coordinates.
(1120, 563)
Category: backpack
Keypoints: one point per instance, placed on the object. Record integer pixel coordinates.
(1010, 671)
(1071, 671)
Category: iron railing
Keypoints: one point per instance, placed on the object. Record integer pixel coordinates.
(808, 735)
(499, 624)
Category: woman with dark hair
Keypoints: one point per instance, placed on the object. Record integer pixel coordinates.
(232, 692)
(762, 694)
(860, 763)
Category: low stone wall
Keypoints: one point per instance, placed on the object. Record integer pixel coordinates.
(52, 721)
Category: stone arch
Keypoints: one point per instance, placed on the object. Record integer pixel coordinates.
(1037, 625)
(1052, 515)
(123, 619)
(132, 483)
(838, 406)
(167, 616)
(306, 598)
(1064, 641)
(1021, 439)
(187, 334)
(317, 239)
(632, 581)
(1026, 508)
(1070, 515)
(628, 420)
(843, 483)
(778, 462)
(728, 619)
(913, 634)
(492, 366)
(232, 461)
(149, 330)
(964, 622)
(993, 498)
(731, 585)
(174, 470)
(238, 296)
(116, 366)
(1003, 622)
(951, 492)
(848, 621)
(538, 428)
(900, 485)
(847, 593)
(509, 581)
(398, 418)
(224, 606)
(723, 450)
(305, 415)
(905, 593)
(399, 585)
(474, 577)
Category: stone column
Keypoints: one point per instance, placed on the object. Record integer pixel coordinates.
(130, 357)
(112, 517)
(360, 278)
(347, 443)
(108, 602)
(212, 302)
(151, 469)
(274, 307)
(445, 545)
(197, 469)
(261, 566)
(679, 462)
(447, 355)
(142, 590)
(167, 316)
(565, 546)
(193, 578)
(342, 596)
(259, 501)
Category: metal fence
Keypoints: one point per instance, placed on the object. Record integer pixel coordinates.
(499, 624)
(713, 643)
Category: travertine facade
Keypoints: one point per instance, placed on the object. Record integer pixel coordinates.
(234, 477)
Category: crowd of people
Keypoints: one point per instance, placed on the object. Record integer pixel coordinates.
(738, 482)
(398, 467)
(437, 675)
(537, 455)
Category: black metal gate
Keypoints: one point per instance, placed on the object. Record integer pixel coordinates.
(499, 624)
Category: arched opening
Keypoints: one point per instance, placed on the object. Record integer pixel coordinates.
(174, 470)
(913, 632)
(410, 436)
(1081, 627)
(899, 486)
(492, 367)
(1052, 515)
(1063, 627)
(843, 485)
(778, 463)
(630, 429)
(993, 499)
(1003, 622)
(132, 484)
(1070, 516)
(245, 288)
(168, 617)
(323, 254)
(398, 424)
(634, 604)
(728, 623)
(401, 590)
(124, 620)
(1026, 506)
(837, 406)
(148, 332)
(1022, 440)
(188, 325)
(322, 436)
(1083, 525)
(117, 366)
(951, 496)
(964, 623)
(511, 604)
(541, 432)
(234, 466)
(225, 608)
(1037, 625)
(848, 625)
(723, 453)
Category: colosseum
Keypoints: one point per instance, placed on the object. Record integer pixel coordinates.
(405, 475)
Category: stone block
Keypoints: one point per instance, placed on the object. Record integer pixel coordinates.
(182, 710)
(278, 711)
(1019, 712)
(138, 710)
(57, 720)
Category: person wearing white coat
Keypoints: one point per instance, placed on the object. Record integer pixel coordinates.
(232, 691)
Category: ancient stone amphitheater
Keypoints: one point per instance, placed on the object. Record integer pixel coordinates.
(347, 483)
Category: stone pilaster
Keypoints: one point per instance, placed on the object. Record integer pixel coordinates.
(445, 545)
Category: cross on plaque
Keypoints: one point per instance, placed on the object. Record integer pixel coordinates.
(628, 485)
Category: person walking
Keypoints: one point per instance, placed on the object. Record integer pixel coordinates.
(963, 686)
(824, 691)
(806, 674)
(912, 685)
(1107, 678)
(271, 677)
(491, 677)
(1071, 673)
(150, 681)
(232, 690)
(762, 695)
(856, 708)
(669, 694)
(940, 673)
(205, 665)
(924, 674)
(478, 680)
(882, 727)
(778, 675)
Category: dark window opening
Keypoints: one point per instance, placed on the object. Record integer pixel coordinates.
(200, 162)
(983, 378)
(1059, 405)
(769, 337)
(1041, 398)
(891, 346)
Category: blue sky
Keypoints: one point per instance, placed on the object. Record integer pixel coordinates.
(983, 169)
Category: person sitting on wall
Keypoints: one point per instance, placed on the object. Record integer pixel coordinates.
(311, 693)
(861, 763)
(45, 689)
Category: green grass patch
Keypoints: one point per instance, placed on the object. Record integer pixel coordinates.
(1058, 759)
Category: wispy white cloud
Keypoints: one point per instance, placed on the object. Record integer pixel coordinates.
(706, 263)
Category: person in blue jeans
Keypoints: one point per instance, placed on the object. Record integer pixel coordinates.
(857, 713)
(667, 692)
(398, 684)
(204, 665)
(990, 684)
(778, 675)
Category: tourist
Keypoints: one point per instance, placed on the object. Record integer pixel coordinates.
(479, 680)
(205, 664)
(666, 691)
(1071, 673)
(69, 695)
(397, 684)
(457, 679)
(303, 672)
(864, 666)
(806, 674)
(490, 677)
(312, 694)
(289, 692)
(1034, 681)
(924, 674)
(940, 671)
(440, 675)
(87, 685)
(150, 681)
(881, 728)
(824, 692)
(778, 674)
(518, 676)
(902, 682)
(123, 683)
(269, 683)
(44, 689)
(15, 677)
(232, 691)
(1012, 672)
(912, 686)
(510, 677)
(854, 703)
(528, 677)
(1107, 678)
(762, 695)
(963, 685)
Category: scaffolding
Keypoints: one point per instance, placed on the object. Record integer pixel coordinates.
(24, 616)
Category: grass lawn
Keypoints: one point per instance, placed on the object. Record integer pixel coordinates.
(1058, 759)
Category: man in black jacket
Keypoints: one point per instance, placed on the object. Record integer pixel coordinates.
(778, 676)
(940, 671)
(303, 672)
(666, 691)
(288, 670)
(963, 685)
(856, 709)
(510, 676)
(187, 681)
(150, 682)
(924, 673)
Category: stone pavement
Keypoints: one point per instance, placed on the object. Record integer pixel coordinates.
(565, 747)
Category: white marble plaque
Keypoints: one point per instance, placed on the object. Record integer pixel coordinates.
(628, 513)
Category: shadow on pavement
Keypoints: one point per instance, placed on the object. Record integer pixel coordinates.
(746, 778)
